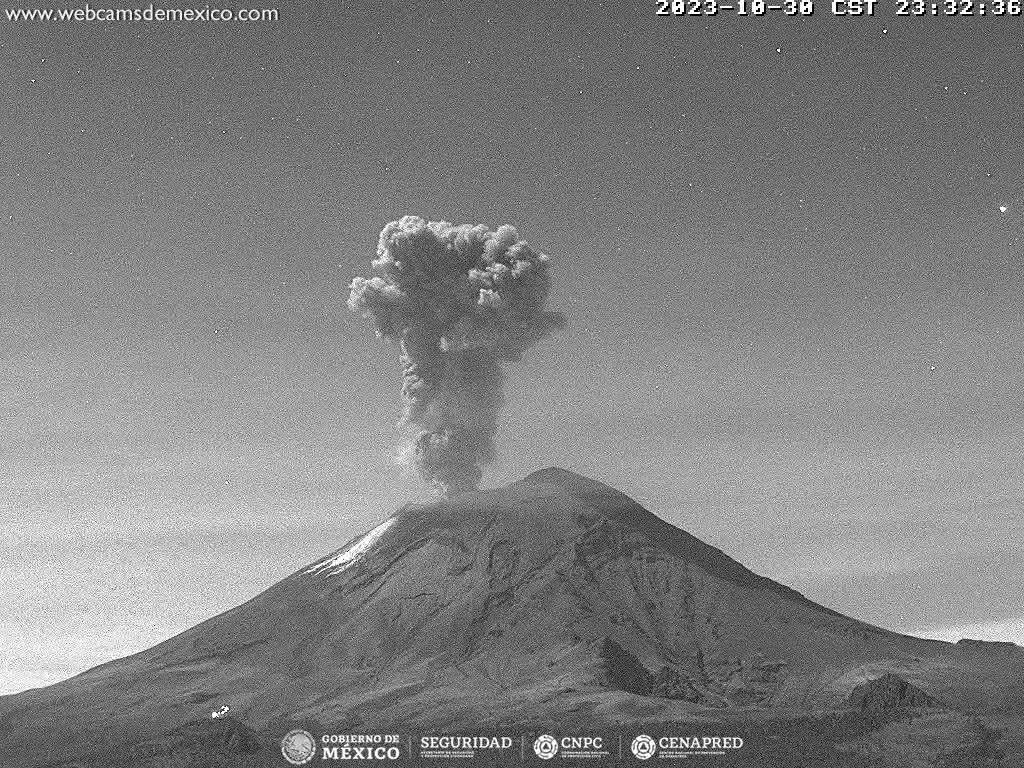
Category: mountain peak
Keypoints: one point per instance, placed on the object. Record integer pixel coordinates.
(557, 505)
(557, 476)
(508, 604)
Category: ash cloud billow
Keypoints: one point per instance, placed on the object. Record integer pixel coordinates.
(460, 301)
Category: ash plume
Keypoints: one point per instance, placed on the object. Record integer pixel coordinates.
(460, 301)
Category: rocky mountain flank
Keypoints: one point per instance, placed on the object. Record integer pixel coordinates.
(553, 599)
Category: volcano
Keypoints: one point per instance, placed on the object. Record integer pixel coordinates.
(555, 601)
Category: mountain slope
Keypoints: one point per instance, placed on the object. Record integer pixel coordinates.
(505, 607)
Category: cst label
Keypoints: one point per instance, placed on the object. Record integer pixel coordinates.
(853, 7)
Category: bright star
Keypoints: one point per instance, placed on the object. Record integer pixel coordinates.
(1002, 209)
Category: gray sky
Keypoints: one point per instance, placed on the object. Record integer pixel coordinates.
(794, 301)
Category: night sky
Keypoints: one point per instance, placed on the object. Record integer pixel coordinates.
(789, 251)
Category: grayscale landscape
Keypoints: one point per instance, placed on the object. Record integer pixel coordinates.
(553, 602)
(659, 362)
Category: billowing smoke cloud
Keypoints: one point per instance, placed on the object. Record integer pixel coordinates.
(460, 301)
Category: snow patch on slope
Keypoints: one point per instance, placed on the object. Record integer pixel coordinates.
(337, 563)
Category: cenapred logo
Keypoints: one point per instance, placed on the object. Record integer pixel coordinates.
(643, 747)
(298, 747)
(545, 747)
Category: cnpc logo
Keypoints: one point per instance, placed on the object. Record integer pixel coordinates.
(545, 747)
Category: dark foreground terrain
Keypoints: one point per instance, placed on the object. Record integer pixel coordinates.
(553, 605)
